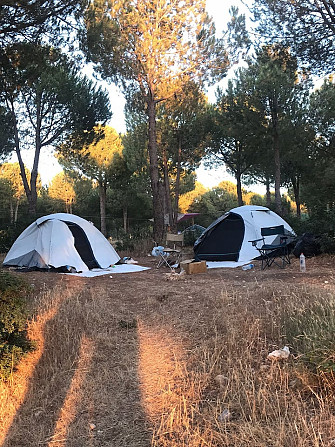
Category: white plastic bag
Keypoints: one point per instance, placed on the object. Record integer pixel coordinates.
(156, 251)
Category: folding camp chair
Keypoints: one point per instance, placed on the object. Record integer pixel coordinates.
(275, 253)
(171, 256)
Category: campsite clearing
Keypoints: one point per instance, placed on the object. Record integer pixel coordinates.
(134, 360)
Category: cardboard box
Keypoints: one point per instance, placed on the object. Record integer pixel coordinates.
(192, 267)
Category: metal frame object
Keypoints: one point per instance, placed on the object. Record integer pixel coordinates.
(171, 257)
(271, 253)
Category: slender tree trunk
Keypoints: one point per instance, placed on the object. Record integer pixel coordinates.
(239, 188)
(162, 198)
(68, 206)
(238, 171)
(16, 211)
(34, 171)
(158, 215)
(167, 190)
(296, 192)
(177, 188)
(22, 168)
(125, 218)
(102, 196)
(277, 173)
(18, 153)
(268, 193)
(33, 192)
(276, 152)
(11, 211)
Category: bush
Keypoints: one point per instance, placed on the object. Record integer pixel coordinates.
(320, 225)
(9, 233)
(137, 241)
(7, 237)
(13, 320)
(191, 234)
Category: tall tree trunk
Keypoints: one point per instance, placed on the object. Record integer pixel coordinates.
(158, 215)
(125, 218)
(11, 211)
(268, 193)
(68, 206)
(277, 172)
(177, 187)
(162, 198)
(239, 188)
(296, 192)
(34, 171)
(102, 196)
(238, 171)
(276, 152)
(18, 153)
(16, 211)
(33, 192)
(167, 190)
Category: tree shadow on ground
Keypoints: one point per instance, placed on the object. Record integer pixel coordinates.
(84, 390)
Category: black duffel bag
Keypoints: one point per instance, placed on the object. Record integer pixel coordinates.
(307, 244)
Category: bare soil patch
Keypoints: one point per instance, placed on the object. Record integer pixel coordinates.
(131, 360)
(319, 270)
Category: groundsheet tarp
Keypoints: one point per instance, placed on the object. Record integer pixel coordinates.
(224, 264)
(122, 268)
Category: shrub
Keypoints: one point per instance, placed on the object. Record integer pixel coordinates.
(137, 241)
(9, 233)
(13, 320)
(191, 234)
(321, 226)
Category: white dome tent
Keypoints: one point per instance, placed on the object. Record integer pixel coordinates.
(59, 240)
(228, 238)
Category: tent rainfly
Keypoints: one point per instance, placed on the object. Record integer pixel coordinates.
(59, 240)
(228, 238)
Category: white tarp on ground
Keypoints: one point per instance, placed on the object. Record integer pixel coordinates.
(122, 268)
(224, 264)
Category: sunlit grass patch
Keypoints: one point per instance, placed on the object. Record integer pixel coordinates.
(233, 396)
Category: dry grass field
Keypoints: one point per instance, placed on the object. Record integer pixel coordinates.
(140, 360)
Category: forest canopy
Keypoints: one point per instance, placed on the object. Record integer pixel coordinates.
(268, 126)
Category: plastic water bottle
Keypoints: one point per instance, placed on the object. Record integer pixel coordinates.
(248, 267)
(302, 263)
